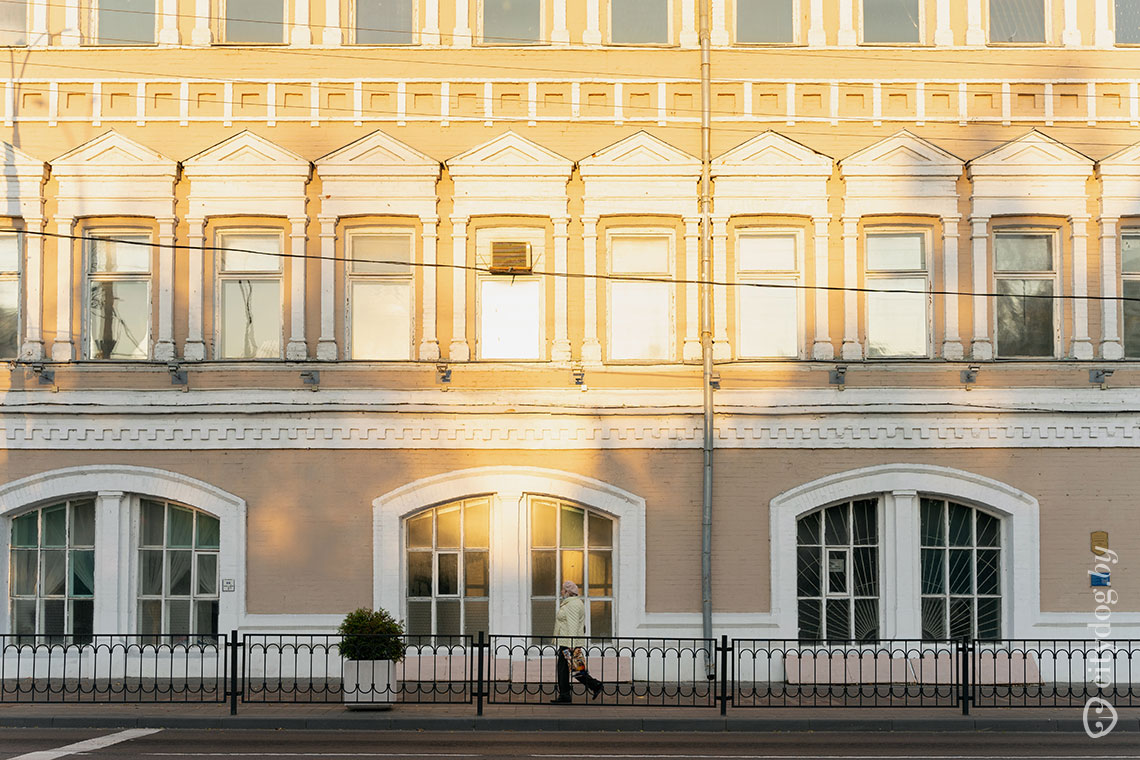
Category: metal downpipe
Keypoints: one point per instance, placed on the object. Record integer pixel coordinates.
(706, 331)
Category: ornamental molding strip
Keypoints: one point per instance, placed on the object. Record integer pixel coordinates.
(537, 431)
(1033, 174)
(378, 174)
(640, 174)
(247, 174)
(902, 174)
(511, 173)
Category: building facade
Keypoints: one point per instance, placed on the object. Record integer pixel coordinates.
(313, 305)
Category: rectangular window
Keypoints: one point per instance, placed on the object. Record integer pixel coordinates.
(1130, 271)
(254, 21)
(1017, 21)
(639, 22)
(768, 317)
(891, 22)
(14, 23)
(9, 295)
(510, 312)
(1127, 22)
(512, 22)
(765, 22)
(640, 313)
(384, 22)
(125, 22)
(249, 295)
(1025, 315)
(118, 295)
(380, 294)
(897, 321)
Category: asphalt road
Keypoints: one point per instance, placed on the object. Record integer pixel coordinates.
(153, 744)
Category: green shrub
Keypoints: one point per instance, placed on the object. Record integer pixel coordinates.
(371, 635)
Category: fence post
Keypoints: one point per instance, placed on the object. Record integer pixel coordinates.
(479, 679)
(966, 693)
(724, 674)
(233, 645)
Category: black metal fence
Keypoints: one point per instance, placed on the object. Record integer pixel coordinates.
(526, 670)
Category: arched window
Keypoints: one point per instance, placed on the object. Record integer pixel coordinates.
(52, 586)
(448, 569)
(961, 571)
(178, 570)
(571, 543)
(837, 578)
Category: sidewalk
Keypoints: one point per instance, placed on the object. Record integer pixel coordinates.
(547, 718)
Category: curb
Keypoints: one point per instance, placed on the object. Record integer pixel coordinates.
(916, 724)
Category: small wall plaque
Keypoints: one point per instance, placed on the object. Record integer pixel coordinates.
(1099, 579)
(228, 584)
(1098, 541)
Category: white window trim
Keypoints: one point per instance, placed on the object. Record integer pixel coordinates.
(350, 279)
(89, 277)
(417, 33)
(920, 42)
(1048, 41)
(797, 28)
(671, 234)
(670, 34)
(536, 237)
(508, 488)
(29, 12)
(286, 24)
(870, 276)
(1054, 277)
(1125, 231)
(796, 278)
(899, 486)
(93, 28)
(543, 19)
(18, 278)
(220, 276)
(114, 488)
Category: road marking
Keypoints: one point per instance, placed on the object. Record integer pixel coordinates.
(87, 745)
(269, 753)
(642, 756)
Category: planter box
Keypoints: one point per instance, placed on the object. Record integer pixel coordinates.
(370, 684)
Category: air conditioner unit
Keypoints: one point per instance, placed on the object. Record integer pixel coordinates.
(510, 257)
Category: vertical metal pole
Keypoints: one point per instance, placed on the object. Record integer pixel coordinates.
(232, 643)
(723, 674)
(479, 679)
(965, 650)
(706, 325)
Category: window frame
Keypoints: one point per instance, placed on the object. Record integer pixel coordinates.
(68, 547)
(613, 597)
(670, 28)
(1115, 25)
(27, 29)
(136, 548)
(350, 280)
(16, 276)
(222, 38)
(90, 277)
(1048, 28)
(794, 276)
(797, 30)
(92, 36)
(460, 596)
(1053, 276)
(220, 276)
(480, 28)
(671, 259)
(870, 276)
(417, 38)
(1126, 231)
(536, 238)
(920, 42)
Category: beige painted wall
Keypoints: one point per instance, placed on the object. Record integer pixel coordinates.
(309, 512)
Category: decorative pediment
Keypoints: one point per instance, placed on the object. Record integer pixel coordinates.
(772, 154)
(17, 163)
(509, 154)
(113, 154)
(1122, 163)
(902, 154)
(640, 153)
(377, 154)
(246, 154)
(1031, 154)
